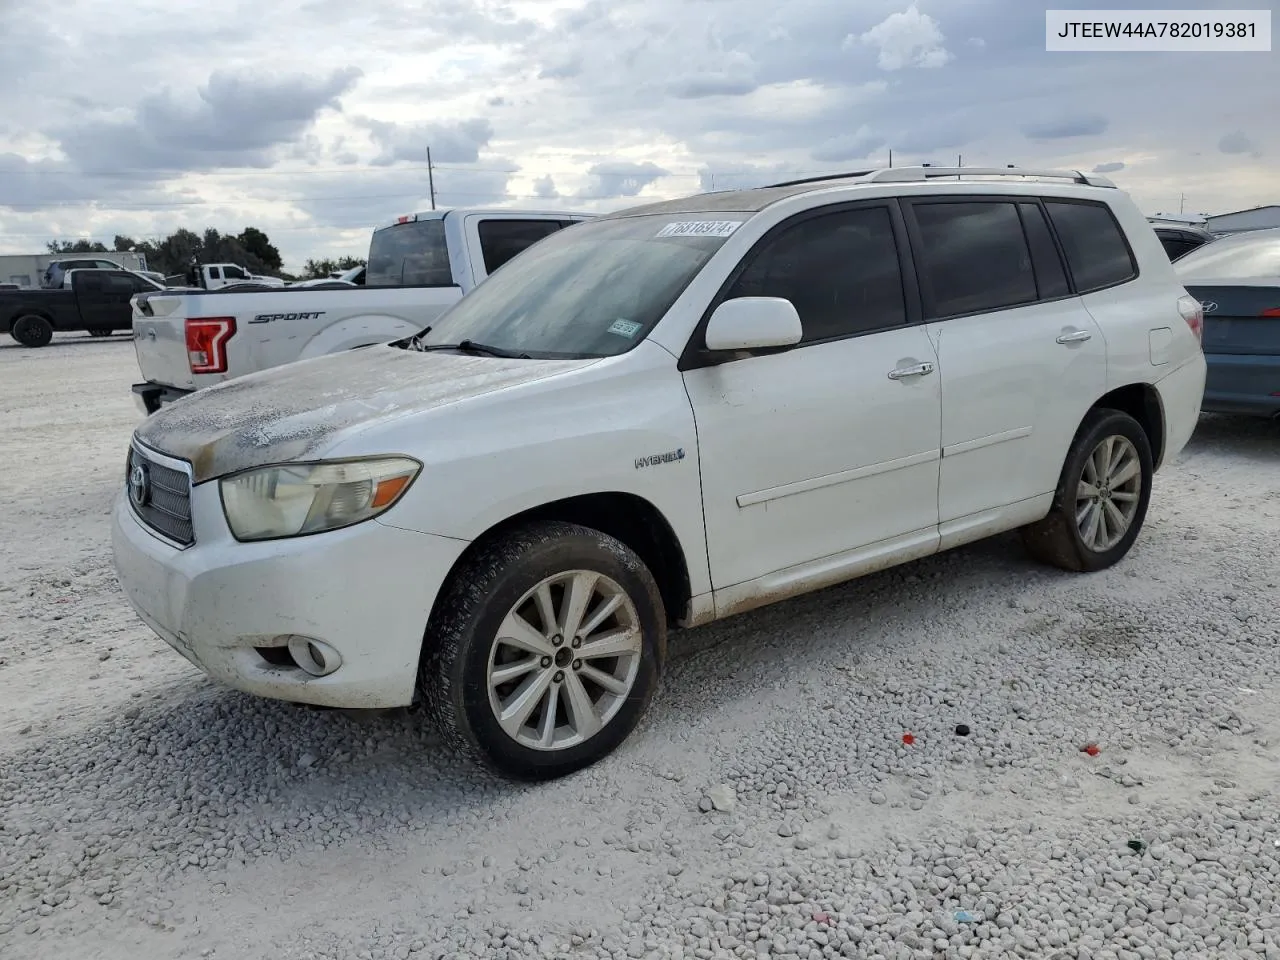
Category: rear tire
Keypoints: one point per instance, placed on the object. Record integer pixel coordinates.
(32, 331)
(100, 331)
(503, 636)
(1102, 496)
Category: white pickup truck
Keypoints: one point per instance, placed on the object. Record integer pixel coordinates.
(418, 267)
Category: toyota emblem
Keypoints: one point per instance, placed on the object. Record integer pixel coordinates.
(139, 485)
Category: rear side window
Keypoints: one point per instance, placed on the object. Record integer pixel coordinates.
(973, 256)
(500, 240)
(1051, 278)
(1094, 244)
(839, 270)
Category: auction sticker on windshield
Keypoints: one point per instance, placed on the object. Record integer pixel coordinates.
(699, 228)
(625, 328)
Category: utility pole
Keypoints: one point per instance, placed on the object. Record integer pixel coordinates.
(891, 156)
(431, 179)
(1182, 205)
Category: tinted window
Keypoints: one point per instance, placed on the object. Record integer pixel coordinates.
(974, 256)
(1051, 278)
(115, 283)
(840, 271)
(500, 240)
(411, 254)
(1095, 247)
(234, 273)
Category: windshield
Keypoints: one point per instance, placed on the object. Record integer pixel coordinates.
(409, 254)
(591, 290)
(1243, 256)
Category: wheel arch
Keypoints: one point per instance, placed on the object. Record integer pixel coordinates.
(37, 312)
(626, 517)
(1142, 402)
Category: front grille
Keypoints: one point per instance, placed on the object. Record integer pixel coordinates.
(166, 497)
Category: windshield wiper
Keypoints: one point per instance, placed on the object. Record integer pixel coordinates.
(470, 346)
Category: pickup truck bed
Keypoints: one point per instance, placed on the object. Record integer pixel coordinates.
(418, 267)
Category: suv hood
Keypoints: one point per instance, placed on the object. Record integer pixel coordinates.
(292, 412)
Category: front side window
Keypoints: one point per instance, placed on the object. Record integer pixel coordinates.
(839, 270)
(234, 273)
(1093, 242)
(973, 257)
(593, 291)
(414, 253)
(500, 240)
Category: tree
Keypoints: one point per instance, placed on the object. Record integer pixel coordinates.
(256, 243)
(172, 254)
(76, 246)
(316, 269)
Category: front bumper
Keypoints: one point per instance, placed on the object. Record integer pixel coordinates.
(150, 397)
(366, 591)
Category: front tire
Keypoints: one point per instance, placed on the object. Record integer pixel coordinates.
(1102, 496)
(544, 650)
(32, 331)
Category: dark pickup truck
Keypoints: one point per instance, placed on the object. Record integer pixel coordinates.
(98, 301)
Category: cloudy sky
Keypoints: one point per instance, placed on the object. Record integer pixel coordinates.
(311, 118)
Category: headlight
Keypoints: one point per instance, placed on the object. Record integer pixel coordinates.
(293, 499)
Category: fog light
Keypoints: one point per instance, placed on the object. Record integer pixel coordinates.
(314, 656)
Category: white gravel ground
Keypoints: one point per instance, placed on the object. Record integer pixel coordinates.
(146, 813)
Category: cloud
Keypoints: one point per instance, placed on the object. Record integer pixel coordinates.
(621, 178)
(1238, 142)
(1111, 167)
(456, 142)
(1060, 129)
(852, 146)
(236, 119)
(907, 39)
(545, 187)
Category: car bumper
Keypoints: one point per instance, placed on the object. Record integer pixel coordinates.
(1243, 383)
(1181, 393)
(365, 591)
(150, 397)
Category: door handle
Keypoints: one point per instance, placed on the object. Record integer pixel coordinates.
(1075, 336)
(919, 370)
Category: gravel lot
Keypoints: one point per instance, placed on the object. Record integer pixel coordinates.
(146, 813)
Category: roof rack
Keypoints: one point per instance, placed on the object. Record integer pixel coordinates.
(926, 172)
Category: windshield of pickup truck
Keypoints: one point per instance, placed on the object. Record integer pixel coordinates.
(409, 254)
(591, 290)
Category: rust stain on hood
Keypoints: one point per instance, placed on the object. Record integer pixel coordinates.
(291, 412)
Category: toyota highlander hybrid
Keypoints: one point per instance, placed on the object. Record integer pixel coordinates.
(655, 419)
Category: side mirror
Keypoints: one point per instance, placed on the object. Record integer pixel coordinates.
(753, 323)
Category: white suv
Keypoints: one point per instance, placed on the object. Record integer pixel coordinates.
(656, 419)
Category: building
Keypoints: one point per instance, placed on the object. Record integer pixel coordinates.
(27, 269)
(1259, 218)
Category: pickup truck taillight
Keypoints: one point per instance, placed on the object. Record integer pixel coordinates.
(207, 343)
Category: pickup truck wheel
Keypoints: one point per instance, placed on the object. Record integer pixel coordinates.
(32, 331)
(544, 650)
(1101, 499)
(99, 331)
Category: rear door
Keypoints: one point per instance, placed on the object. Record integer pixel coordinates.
(1021, 359)
(1241, 345)
(103, 296)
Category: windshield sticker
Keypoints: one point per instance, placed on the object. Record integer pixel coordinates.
(699, 228)
(624, 328)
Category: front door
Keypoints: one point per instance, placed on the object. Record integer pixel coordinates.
(832, 445)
